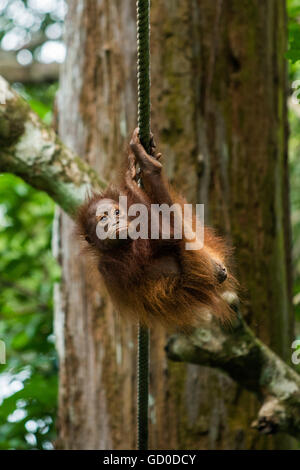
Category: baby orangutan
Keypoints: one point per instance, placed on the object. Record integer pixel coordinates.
(153, 278)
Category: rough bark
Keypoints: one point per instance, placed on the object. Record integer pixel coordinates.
(96, 349)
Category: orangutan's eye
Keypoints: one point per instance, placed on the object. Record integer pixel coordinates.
(104, 218)
(117, 212)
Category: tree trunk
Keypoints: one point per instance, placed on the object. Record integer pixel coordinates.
(218, 109)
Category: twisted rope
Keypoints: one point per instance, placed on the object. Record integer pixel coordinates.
(143, 81)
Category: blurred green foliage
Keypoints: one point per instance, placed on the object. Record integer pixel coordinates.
(28, 382)
(293, 53)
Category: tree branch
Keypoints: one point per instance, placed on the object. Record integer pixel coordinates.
(31, 150)
(239, 353)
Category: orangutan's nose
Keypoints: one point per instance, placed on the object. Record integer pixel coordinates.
(221, 273)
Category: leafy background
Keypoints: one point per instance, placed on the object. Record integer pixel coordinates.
(28, 381)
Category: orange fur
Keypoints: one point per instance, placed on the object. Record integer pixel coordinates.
(176, 300)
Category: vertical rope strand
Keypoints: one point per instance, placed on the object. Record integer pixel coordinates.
(143, 387)
(143, 70)
(143, 82)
